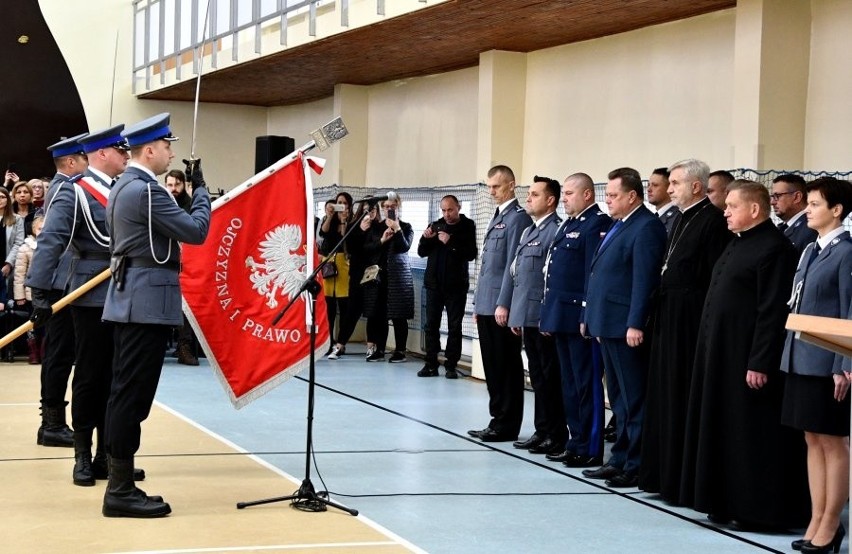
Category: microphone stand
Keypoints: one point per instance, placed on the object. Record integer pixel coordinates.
(306, 498)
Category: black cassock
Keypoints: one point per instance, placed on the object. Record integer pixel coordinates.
(739, 461)
(695, 244)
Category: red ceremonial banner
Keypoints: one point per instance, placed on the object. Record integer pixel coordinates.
(253, 262)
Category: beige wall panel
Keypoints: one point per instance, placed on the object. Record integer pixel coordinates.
(298, 122)
(645, 99)
(828, 141)
(225, 134)
(423, 131)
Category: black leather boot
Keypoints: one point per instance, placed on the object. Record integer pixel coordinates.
(83, 475)
(54, 431)
(100, 465)
(123, 499)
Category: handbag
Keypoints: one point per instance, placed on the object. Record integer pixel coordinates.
(371, 275)
(329, 270)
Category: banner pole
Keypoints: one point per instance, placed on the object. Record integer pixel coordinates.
(61, 303)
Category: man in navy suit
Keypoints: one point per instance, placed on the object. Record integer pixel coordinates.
(566, 277)
(501, 349)
(624, 274)
(527, 273)
(789, 200)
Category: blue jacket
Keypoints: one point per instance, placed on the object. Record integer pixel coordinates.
(625, 272)
(528, 279)
(567, 277)
(826, 292)
(501, 241)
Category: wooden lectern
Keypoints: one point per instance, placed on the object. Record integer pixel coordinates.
(826, 332)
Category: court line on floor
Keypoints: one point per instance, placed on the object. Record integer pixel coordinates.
(628, 496)
(369, 522)
(267, 547)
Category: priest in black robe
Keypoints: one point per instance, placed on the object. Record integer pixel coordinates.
(740, 463)
(696, 242)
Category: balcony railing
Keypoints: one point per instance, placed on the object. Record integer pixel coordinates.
(168, 34)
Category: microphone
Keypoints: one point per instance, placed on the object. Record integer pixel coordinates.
(391, 195)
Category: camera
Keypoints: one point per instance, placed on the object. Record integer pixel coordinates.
(439, 226)
(339, 207)
(392, 213)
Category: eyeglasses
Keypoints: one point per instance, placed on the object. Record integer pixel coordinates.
(777, 195)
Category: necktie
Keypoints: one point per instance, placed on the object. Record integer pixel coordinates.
(496, 212)
(814, 253)
(782, 226)
(611, 232)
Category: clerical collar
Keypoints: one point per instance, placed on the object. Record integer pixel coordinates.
(703, 198)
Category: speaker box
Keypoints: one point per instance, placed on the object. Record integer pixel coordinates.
(269, 149)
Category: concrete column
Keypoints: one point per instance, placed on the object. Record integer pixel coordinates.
(351, 102)
(771, 67)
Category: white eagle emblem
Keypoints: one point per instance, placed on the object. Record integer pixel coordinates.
(281, 272)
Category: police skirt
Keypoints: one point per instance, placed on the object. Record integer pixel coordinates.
(809, 405)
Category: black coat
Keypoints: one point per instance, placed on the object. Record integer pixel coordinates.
(738, 459)
(447, 264)
(393, 297)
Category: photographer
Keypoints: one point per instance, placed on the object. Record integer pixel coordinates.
(335, 278)
(449, 244)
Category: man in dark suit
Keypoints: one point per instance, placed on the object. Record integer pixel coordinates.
(658, 196)
(566, 277)
(789, 199)
(527, 273)
(624, 274)
(717, 187)
(449, 245)
(146, 227)
(500, 348)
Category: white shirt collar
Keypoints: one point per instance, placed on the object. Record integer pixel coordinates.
(633, 211)
(665, 208)
(143, 168)
(505, 204)
(792, 221)
(104, 177)
(541, 220)
(826, 240)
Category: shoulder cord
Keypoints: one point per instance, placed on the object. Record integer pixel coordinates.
(96, 234)
(73, 223)
(151, 234)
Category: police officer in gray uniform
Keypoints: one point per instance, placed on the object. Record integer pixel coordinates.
(70, 161)
(501, 349)
(143, 300)
(551, 430)
(77, 223)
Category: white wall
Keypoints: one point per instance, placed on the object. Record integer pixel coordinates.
(225, 135)
(643, 99)
(828, 140)
(298, 122)
(422, 132)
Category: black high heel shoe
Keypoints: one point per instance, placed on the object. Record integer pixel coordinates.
(834, 545)
(797, 545)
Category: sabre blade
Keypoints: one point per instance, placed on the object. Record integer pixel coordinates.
(199, 52)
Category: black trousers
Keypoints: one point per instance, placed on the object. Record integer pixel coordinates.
(378, 328)
(547, 385)
(454, 302)
(351, 313)
(137, 362)
(58, 355)
(93, 372)
(504, 375)
(331, 305)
